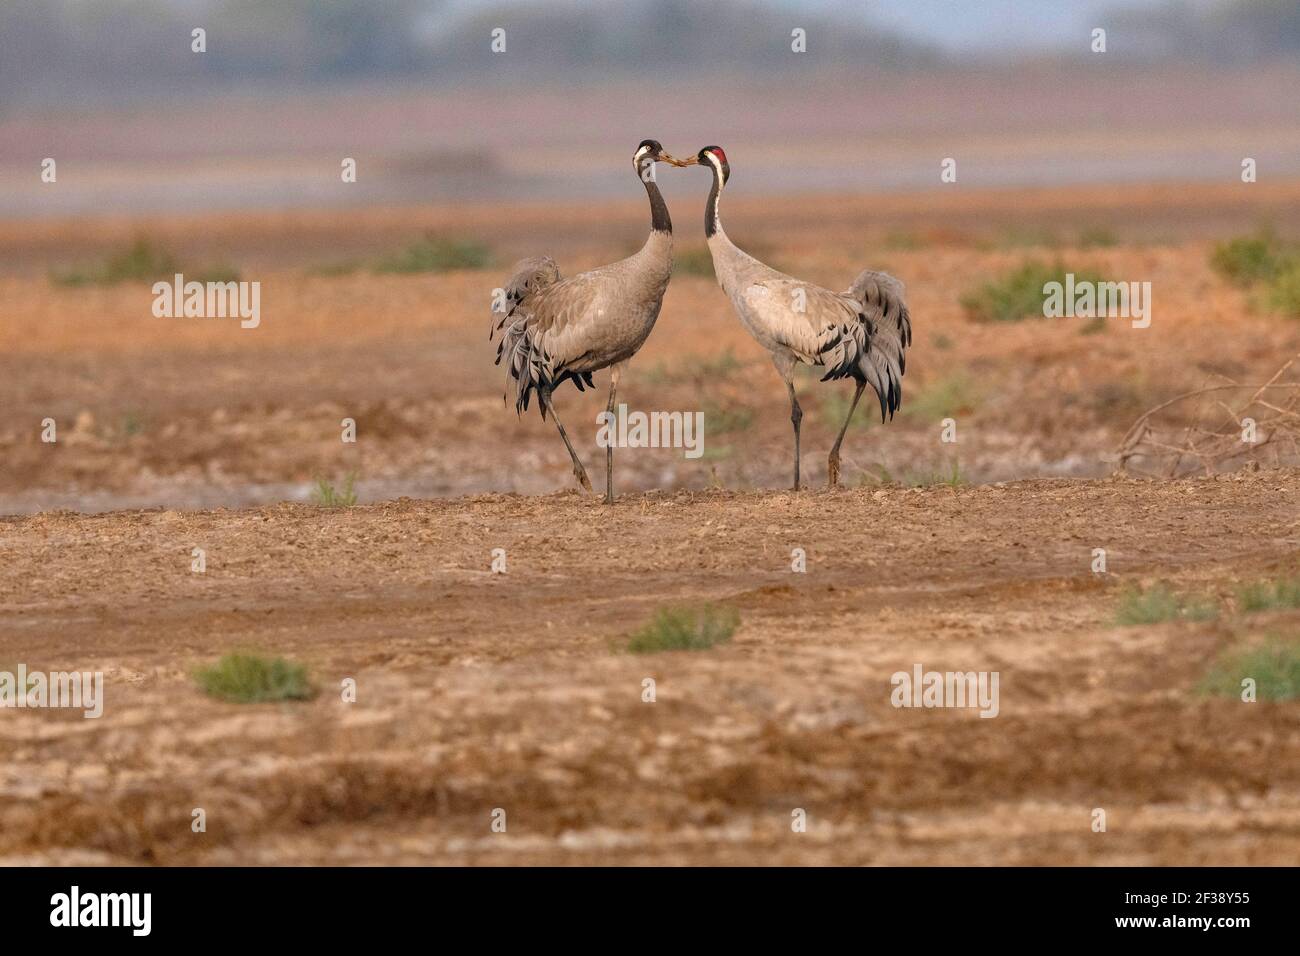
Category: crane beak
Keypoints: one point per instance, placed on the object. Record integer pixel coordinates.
(674, 161)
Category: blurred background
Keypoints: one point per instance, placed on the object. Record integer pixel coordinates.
(1125, 164)
(411, 89)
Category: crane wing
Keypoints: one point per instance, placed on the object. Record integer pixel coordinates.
(880, 297)
(821, 327)
(540, 327)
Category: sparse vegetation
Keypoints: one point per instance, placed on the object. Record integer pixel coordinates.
(724, 419)
(1274, 667)
(1249, 259)
(252, 679)
(949, 475)
(699, 369)
(1269, 595)
(142, 261)
(1158, 604)
(1284, 291)
(1019, 293)
(436, 254)
(943, 398)
(327, 496)
(1266, 264)
(686, 629)
(1097, 237)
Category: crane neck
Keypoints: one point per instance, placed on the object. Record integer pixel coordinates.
(711, 221)
(659, 218)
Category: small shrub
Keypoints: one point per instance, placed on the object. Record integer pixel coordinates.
(950, 475)
(327, 496)
(1269, 595)
(141, 261)
(945, 398)
(1284, 291)
(685, 629)
(436, 254)
(1249, 259)
(1274, 666)
(250, 679)
(1159, 604)
(1019, 293)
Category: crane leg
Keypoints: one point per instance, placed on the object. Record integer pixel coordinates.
(796, 416)
(615, 374)
(833, 464)
(578, 471)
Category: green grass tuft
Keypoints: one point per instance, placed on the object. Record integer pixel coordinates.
(1019, 293)
(142, 261)
(250, 679)
(1250, 259)
(327, 496)
(686, 629)
(1283, 293)
(947, 397)
(436, 254)
(1269, 595)
(1274, 666)
(1158, 604)
(950, 475)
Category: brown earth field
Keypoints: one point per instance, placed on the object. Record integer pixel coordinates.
(479, 692)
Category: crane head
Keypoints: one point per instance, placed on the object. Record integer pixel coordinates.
(653, 151)
(714, 157)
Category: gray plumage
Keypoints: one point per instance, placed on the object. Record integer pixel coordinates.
(861, 333)
(555, 330)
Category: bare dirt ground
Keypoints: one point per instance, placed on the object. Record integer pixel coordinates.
(199, 412)
(479, 691)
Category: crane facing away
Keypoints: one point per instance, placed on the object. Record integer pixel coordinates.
(861, 333)
(555, 330)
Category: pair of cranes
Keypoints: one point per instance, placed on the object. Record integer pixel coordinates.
(554, 330)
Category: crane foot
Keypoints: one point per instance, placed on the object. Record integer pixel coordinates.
(833, 471)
